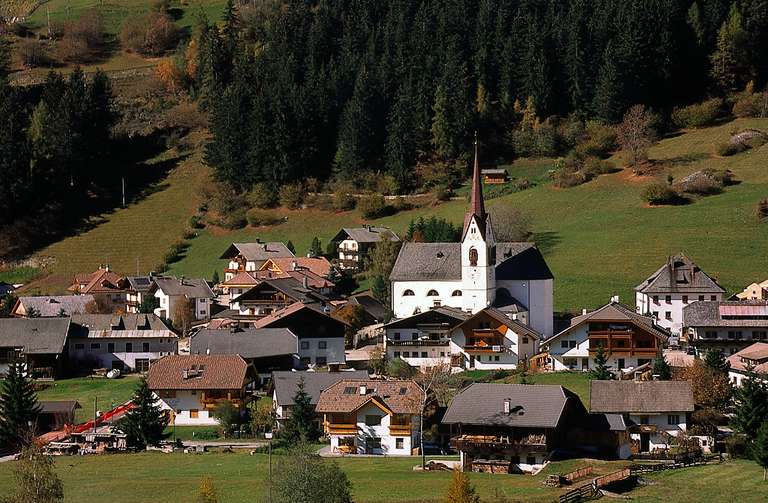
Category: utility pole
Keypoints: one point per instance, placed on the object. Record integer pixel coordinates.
(268, 436)
(123, 184)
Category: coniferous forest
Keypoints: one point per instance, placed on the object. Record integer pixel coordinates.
(336, 90)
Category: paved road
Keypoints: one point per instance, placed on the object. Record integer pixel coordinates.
(224, 443)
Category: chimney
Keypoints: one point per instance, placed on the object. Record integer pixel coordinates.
(583, 311)
(507, 406)
(305, 282)
(293, 265)
(207, 351)
(184, 374)
(363, 389)
(615, 299)
(106, 267)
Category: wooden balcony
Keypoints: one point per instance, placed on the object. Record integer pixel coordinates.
(611, 334)
(399, 429)
(424, 342)
(340, 428)
(625, 351)
(530, 443)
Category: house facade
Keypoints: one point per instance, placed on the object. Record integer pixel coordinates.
(755, 291)
(249, 257)
(751, 361)
(362, 416)
(172, 293)
(128, 342)
(107, 288)
(511, 428)
(628, 339)
(654, 411)
(39, 343)
(728, 326)
(271, 295)
(673, 286)
(474, 274)
(136, 291)
(354, 244)
(190, 387)
(424, 339)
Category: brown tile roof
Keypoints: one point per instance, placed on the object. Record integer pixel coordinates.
(317, 265)
(400, 396)
(505, 320)
(203, 372)
(757, 354)
(241, 278)
(100, 281)
(640, 396)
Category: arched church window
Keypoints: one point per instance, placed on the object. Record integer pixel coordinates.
(408, 293)
(456, 293)
(472, 257)
(432, 293)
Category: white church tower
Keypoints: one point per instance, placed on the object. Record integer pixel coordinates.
(478, 251)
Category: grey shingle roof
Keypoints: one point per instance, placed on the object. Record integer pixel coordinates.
(640, 396)
(442, 261)
(128, 321)
(533, 406)
(291, 287)
(48, 306)
(251, 343)
(707, 314)
(285, 383)
(449, 316)
(35, 335)
(192, 288)
(58, 406)
(257, 251)
(140, 284)
(366, 234)
(679, 274)
(615, 311)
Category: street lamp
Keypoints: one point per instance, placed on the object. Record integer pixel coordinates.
(268, 436)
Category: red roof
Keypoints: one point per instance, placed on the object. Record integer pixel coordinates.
(195, 372)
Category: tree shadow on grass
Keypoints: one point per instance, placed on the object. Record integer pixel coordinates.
(546, 241)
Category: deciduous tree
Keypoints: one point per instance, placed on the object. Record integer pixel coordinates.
(635, 134)
(36, 478)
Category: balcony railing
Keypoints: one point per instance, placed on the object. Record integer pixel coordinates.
(399, 429)
(496, 347)
(623, 334)
(533, 443)
(341, 428)
(424, 342)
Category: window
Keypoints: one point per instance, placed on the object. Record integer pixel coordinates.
(621, 363)
(322, 345)
(414, 336)
(304, 344)
(668, 299)
(496, 358)
(685, 299)
(644, 420)
(141, 365)
(321, 360)
(399, 444)
(564, 344)
(397, 336)
(305, 360)
(713, 298)
(668, 315)
(406, 354)
(655, 299)
(145, 347)
(673, 419)
(530, 460)
(473, 257)
(734, 334)
(710, 334)
(432, 293)
(525, 339)
(128, 347)
(442, 353)
(350, 390)
(423, 354)
(701, 298)
(95, 345)
(168, 393)
(759, 334)
(193, 413)
(397, 354)
(655, 314)
(571, 344)
(110, 347)
(79, 346)
(408, 293)
(456, 293)
(372, 420)
(436, 303)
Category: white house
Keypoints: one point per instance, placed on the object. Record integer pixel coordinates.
(249, 257)
(727, 326)
(676, 284)
(172, 292)
(474, 274)
(654, 411)
(354, 243)
(628, 339)
(424, 339)
(137, 289)
(750, 361)
(363, 416)
(126, 342)
(190, 386)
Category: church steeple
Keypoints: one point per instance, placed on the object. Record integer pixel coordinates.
(476, 204)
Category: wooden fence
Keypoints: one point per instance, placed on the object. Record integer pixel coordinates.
(590, 490)
(577, 474)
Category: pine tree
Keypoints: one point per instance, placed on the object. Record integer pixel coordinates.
(460, 490)
(661, 368)
(215, 279)
(300, 426)
(315, 248)
(207, 492)
(609, 100)
(290, 247)
(18, 406)
(144, 425)
(401, 145)
(728, 68)
(760, 448)
(715, 359)
(751, 405)
(600, 372)
(380, 289)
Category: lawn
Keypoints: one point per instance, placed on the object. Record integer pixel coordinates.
(108, 393)
(19, 275)
(578, 382)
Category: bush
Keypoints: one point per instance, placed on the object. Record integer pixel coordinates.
(258, 217)
(31, 52)
(291, 195)
(152, 33)
(174, 252)
(235, 219)
(659, 193)
(704, 186)
(373, 206)
(594, 166)
(566, 177)
(728, 149)
(343, 200)
(262, 196)
(698, 114)
(82, 37)
(189, 234)
(196, 222)
(751, 105)
(762, 209)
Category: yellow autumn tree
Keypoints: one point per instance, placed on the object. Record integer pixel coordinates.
(171, 76)
(460, 490)
(207, 491)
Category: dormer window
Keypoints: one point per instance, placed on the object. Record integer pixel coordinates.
(432, 293)
(456, 293)
(473, 257)
(408, 293)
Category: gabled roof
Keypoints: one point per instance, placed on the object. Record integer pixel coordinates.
(317, 265)
(616, 312)
(48, 306)
(141, 284)
(290, 287)
(127, 321)
(520, 261)
(301, 275)
(242, 278)
(757, 354)
(367, 234)
(372, 306)
(100, 281)
(531, 405)
(289, 311)
(58, 406)
(286, 382)
(449, 317)
(196, 372)
(502, 318)
(258, 251)
(191, 288)
(399, 396)
(624, 397)
(746, 313)
(35, 335)
(679, 274)
(248, 343)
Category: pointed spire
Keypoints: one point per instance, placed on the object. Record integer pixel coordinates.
(476, 204)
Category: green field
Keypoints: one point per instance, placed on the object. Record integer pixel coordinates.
(108, 393)
(578, 382)
(240, 477)
(599, 239)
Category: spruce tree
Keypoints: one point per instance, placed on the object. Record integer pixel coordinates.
(600, 372)
(207, 492)
(18, 406)
(401, 144)
(315, 248)
(145, 423)
(715, 360)
(215, 279)
(751, 406)
(300, 426)
(760, 448)
(380, 289)
(461, 490)
(608, 102)
(728, 67)
(661, 368)
(290, 247)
